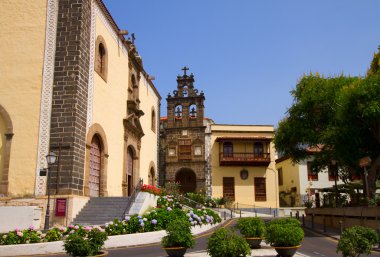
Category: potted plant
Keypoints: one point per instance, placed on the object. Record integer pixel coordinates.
(357, 240)
(225, 243)
(253, 230)
(178, 238)
(285, 235)
(85, 241)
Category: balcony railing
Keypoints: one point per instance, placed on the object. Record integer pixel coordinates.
(244, 159)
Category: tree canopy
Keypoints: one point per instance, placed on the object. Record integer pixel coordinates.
(339, 116)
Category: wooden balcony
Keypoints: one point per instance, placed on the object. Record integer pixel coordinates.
(244, 159)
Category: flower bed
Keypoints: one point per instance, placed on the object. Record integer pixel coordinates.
(154, 220)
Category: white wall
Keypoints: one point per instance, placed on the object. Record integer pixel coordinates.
(19, 217)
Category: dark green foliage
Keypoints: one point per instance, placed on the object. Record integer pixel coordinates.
(284, 232)
(225, 243)
(335, 118)
(357, 240)
(178, 235)
(85, 241)
(252, 227)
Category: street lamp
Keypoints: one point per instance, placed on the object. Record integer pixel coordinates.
(364, 163)
(335, 169)
(51, 158)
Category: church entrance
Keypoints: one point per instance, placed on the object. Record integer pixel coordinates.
(130, 171)
(95, 164)
(187, 179)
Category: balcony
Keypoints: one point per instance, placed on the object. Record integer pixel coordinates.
(244, 159)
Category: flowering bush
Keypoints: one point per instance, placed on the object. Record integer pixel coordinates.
(151, 189)
(26, 236)
(203, 216)
(168, 201)
(85, 241)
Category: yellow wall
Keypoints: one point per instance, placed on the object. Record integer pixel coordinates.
(110, 107)
(22, 40)
(244, 189)
(148, 153)
(290, 177)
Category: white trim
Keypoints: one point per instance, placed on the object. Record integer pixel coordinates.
(47, 94)
(110, 29)
(90, 95)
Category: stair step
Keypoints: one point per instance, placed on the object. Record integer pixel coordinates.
(100, 210)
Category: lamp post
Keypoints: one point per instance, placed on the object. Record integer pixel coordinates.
(333, 162)
(364, 163)
(51, 158)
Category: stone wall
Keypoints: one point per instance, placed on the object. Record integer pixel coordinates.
(69, 107)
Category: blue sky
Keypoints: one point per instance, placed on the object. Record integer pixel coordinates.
(247, 55)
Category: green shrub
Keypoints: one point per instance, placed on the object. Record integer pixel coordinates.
(252, 227)
(54, 234)
(284, 232)
(197, 197)
(357, 240)
(178, 234)
(85, 241)
(225, 243)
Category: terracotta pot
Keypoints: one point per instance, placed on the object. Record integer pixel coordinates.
(254, 242)
(286, 251)
(175, 251)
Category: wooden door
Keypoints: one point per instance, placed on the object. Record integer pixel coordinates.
(95, 165)
(229, 188)
(130, 171)
(187, 179)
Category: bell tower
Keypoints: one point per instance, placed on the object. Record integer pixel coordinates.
(183, 136)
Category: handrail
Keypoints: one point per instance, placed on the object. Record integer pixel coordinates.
(254, 208)
(192, 204)
(132, 198)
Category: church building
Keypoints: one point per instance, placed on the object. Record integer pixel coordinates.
(73, 83)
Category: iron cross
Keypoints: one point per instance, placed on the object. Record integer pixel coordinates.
(184, 70)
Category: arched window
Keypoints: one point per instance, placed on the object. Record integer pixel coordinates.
(228, 149)
(178, 112)
(101, 58)
(153, 121)
(193, 111)
(258, 149)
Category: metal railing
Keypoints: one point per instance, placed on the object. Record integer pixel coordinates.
(254, 209)
(132, 197)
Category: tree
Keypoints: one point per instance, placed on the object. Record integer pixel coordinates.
(338, 116)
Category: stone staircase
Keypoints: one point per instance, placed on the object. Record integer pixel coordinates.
(100, 210)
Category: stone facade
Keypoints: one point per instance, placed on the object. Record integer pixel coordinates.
(69, 103)
(182, 137)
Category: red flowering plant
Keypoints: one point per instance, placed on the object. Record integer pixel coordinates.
(150, 189)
